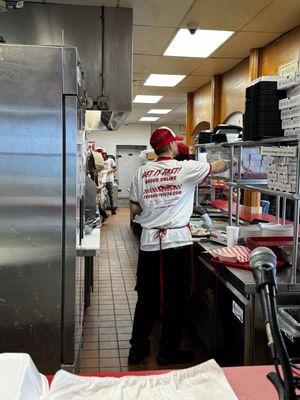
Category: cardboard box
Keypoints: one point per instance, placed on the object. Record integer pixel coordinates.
(295, 91)
(292, 132)
(286, 178)
(287, 169)
(296, 122)
(288, 81)
(282, 151)
(289, 102)
(286, 113)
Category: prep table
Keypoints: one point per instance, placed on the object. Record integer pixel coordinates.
(87, 249)
(226, 311)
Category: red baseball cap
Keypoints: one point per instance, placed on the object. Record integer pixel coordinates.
(163, 136)
(183, 149)
(100, 150)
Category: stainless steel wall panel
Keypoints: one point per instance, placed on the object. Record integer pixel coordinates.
(31, 202)
(118, 58)
(71, 106)
(42, 24)
(70, 71)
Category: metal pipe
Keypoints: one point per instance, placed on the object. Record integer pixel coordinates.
(230, 186)
(283, 211)
(296, 221)
(238, 198)
(277, 209)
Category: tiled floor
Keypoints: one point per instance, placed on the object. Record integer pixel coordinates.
(108, 321)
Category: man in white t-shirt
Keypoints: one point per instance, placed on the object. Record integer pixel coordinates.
(110, 167)
(162, 192)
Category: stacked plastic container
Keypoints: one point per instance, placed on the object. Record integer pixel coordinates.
(262, 116)
(290, 106)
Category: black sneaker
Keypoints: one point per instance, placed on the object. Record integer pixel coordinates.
(104, 218)
(167, 357)
(114, 212)
(137, 355)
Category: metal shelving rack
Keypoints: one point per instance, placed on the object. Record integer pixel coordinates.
(245, 184)
(259, 185)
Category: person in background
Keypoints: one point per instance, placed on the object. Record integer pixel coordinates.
(111, 168)
(183, 152)
(162, 192)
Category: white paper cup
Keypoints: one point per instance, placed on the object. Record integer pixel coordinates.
(232, 233)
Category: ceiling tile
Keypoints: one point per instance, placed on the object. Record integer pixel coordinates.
(181, 108)
(213, 66)
(242, 42)
(142, 107)
(139, 79)
(107, 3)
(158, 12)
(169, 101)
(147, 40)
(279, 16)
(181, 91)
(153, 90)
(164, 65)
(194, 81)
(223, 14)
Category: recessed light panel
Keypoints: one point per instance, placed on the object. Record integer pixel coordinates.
(163, 80)
(149, 119)
(159, 111)
(141, 98)
(201, 44)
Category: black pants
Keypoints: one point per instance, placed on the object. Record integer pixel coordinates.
(102, 212)
(177, 285)
(109, 187)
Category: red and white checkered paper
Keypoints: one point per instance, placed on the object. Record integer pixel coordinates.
(237, 253)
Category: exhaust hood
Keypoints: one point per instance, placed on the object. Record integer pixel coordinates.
(103, 37)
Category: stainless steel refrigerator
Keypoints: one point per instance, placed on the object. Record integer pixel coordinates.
(41, 116)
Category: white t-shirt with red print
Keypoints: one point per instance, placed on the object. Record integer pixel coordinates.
(164, 189)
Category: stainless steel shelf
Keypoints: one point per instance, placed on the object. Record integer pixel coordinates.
(241, 181)
(264, 189)
(219, 178)
(209, 145)
(258, 143)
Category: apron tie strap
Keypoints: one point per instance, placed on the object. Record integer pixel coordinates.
(159, 234)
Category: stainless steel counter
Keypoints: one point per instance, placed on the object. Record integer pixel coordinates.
(242, 279)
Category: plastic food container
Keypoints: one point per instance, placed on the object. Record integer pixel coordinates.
(20, 379)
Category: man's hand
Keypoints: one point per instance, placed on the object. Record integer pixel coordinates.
(135, 209)
(220, 166)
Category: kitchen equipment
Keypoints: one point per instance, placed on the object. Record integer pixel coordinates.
(225, 133)
(204, 137)
(42, 185)
(104, 45)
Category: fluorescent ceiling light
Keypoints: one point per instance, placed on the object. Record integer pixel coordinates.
(159, 111)
(201, 44)
(141, 98)
(163, 80)
(149, 119)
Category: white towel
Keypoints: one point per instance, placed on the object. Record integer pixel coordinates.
(202, 382)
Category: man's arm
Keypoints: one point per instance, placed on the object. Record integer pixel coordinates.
(220, 166)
